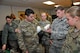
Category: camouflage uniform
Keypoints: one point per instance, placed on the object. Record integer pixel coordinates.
(58, 35)
(45, 38)
(27, 37)
(72, 42)
(16, 21)
(9, 35)
(36, 22)
(44, 23)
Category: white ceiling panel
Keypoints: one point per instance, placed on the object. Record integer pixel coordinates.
(35, 3)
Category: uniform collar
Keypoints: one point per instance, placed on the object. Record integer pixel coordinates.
(63, 18)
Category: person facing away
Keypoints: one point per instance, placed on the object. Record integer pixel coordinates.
(9, 35)
(27, 34)
(59, 30)
(72, 42)
(45, 38)
(49, 17)
(14, 19)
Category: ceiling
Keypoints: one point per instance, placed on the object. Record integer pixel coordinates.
(36, 3)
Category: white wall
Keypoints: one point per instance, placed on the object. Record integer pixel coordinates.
(4, 10)
(7, 10)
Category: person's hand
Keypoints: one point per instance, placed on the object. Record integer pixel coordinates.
(48, 30)
(51, 42)
(17, 30)
(4, 47)
(46, 27)
(26, 51)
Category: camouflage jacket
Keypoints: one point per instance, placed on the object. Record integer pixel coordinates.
(44, 23)
(9, 32)
(59, 31)
(45, 39)
(72, 42)
(27, 37)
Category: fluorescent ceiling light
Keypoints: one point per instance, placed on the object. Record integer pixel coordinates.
(57, 5)
(49, 2)
(76, 3)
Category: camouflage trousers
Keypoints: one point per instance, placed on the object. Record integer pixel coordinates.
(47, 49)
(13, 51)
(14, 46)
(54, 49)
(68, 49)
(38, 49)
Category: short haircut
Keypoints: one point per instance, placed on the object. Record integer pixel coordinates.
(59, 8)
(8, 17)
(28, 12)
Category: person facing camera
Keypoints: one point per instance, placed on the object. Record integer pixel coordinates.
(9, 35)
(44, 36)
(27, 34)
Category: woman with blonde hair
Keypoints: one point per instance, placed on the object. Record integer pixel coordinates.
(72, 42)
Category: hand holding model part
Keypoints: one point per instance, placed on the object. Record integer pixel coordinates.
(42, 32)
(44, 29)
(47, 27)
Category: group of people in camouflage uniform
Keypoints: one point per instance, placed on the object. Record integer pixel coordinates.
(62, 36)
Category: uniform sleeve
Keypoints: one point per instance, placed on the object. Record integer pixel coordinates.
(20, 39)
(4, 35)
(78, 41)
